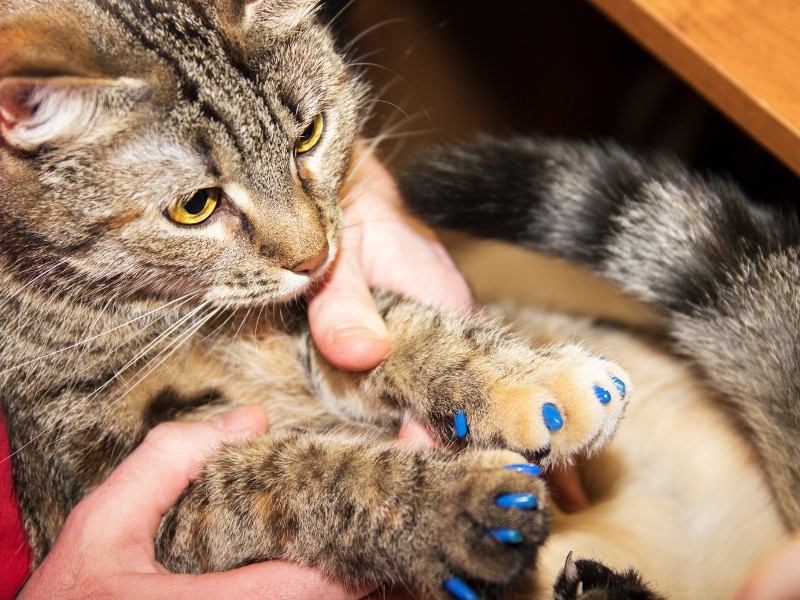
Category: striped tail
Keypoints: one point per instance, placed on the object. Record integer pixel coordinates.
(724, 271)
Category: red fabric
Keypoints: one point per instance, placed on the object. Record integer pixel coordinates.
(15, 553)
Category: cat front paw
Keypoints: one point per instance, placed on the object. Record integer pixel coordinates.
(561, 403)
(489, 521)
(590, 580)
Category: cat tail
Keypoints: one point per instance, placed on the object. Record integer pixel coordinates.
(724, 272)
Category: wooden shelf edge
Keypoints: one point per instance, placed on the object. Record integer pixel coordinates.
(749, 112)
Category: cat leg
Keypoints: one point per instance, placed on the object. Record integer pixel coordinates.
(476, 383)
(361, 511)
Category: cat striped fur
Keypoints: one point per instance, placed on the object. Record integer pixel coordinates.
(723, 271)
(175, 169)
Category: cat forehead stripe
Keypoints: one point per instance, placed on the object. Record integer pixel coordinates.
(210, 74)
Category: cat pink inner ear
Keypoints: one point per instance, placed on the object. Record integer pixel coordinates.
(58, 110)
(14, 102)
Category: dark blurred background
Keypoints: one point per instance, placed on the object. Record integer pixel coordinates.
(445, 69)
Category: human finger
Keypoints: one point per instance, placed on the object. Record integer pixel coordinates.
(151, 479)
(273, 580)
(567, 489)
(399, 252)
(777, 577)
(345, 323)
(414, 435)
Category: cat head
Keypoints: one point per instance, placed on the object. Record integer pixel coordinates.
(153, 148)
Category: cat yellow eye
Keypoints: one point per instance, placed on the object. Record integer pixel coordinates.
(309, 138)
(195, 208)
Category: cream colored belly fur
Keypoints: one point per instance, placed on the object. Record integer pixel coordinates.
(678, 494)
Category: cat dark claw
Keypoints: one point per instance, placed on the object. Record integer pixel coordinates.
(589, 580)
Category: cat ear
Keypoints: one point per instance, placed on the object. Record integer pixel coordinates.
(279, 17)
(54, 111)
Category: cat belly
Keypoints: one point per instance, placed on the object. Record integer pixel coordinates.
(677, 495)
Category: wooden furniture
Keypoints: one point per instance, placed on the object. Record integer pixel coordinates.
(742, 55)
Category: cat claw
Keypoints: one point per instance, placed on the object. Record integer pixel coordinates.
(517, 501)
(459, 589)
(620, 386)
(552, 417)
(527, 468)
(460, 424)
(603, 394)
(571, 574)
(506, 536)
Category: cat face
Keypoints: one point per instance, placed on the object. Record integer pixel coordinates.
(158, 148)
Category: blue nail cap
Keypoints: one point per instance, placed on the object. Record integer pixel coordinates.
(460, 420)
(507, 536)
(526, 468)
(620, 385)
(552, 417)
(459, 589)
(602, 394)
(518, 501)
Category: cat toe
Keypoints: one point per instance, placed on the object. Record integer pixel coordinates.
(495, 522)
(585, 397)
(551, 406)
(590, 394)
(589, 578)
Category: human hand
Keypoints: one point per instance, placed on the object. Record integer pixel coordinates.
(106, 546)
(382, 246)
(777, 577)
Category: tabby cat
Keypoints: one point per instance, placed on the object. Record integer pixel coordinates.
(171, 172)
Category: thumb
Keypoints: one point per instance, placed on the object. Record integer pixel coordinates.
(345, 323)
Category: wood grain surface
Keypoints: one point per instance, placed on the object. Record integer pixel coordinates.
(742, 55)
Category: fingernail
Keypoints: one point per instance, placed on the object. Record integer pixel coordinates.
(459, 589)
(620, 385)
(460, 422)
(518, 501)
(552, 417)
(526, 468)
(345, 333)
(602, 394)
(506, 536)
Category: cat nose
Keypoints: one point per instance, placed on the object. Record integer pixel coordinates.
(313, 264)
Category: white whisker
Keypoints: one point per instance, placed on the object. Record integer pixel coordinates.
(154, 363)
(372, 29)
(88, 340)
(142, 352)
(341, 11)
